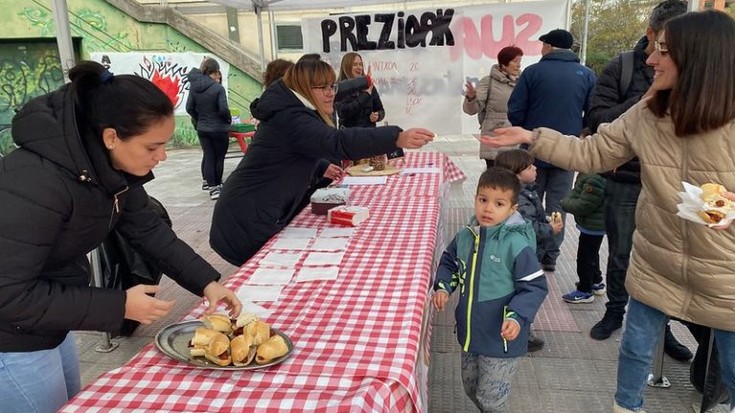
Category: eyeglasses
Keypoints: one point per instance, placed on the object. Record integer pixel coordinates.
(328, 88)
(661, 48)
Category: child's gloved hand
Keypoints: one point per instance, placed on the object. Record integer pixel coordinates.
(440, 299)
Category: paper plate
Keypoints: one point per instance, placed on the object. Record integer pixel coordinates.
(356, 170)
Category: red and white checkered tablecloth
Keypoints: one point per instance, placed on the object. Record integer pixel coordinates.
(356, 339)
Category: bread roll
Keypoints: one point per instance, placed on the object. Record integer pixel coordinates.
(245, 318)
(272, 349)
(260, 331)
(202, 337)
(218, 350)
(710, 189)
(242, 350)
(218, 322)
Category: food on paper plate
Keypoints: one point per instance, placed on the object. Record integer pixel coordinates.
(716, 206)
(270, 350)
(218, 322)
(556, 217)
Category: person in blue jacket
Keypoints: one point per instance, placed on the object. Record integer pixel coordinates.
(553, 93)
(492, 262)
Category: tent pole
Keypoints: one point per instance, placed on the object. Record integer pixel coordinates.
(272, 24)
(693, 5)
(63, 36)
(585, 32)
(258, 10)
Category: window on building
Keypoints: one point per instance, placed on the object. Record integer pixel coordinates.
(288, 37)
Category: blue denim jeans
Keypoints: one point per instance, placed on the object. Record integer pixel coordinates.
(643, 329)
(39, 381)
(553, 185)
(620, 202)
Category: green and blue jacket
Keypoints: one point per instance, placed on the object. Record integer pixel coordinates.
(498, 276)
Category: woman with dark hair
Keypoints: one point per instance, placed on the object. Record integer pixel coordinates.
(84, 153)
(296, 131)
(361, 107)
(489, 101)
(207, 106)
(682, 130)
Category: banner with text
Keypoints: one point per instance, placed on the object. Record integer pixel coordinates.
(421, 59)
(166, 70)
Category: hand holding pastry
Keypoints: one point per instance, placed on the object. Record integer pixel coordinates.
(716, 204)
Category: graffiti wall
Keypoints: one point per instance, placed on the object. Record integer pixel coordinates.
(100, 28)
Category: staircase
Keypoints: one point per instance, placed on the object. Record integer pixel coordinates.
(228, 50)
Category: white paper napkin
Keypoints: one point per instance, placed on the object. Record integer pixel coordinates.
(290, 243)
(317, 274)
(691, 204)
(330, 244)
(268, 293)
(271, 276)
(324, 258)
(297, 232)
(336, 232)
(281, 259)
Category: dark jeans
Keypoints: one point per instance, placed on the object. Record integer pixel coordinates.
(588, 261)
(620, 203)
(214, 145)
(555, 183)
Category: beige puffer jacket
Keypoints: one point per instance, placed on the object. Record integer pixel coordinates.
(684, 269)
(493, 93)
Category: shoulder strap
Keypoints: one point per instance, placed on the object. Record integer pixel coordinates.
(626, 74)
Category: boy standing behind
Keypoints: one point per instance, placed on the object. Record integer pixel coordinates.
(520, 162)
(493, 264)
(587, 203)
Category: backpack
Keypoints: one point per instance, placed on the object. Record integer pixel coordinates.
(627, 60)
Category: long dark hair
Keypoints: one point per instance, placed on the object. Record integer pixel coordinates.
(702, 45)
(127, 103)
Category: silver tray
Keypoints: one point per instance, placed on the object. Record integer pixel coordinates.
(173, 341)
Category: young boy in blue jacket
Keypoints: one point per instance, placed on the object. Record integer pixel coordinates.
(493, 264)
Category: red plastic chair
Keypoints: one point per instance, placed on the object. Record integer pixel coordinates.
(241, 139)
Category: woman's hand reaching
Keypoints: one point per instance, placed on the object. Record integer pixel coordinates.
(216, 292)
(470, 91)
(414, 138)
(141, 307)
(334, 172)
(507, 137)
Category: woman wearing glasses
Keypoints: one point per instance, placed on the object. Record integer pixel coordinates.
(296, 131)
(682, 130)
(360, 108)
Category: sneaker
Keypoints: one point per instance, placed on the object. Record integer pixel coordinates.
(577, 296)
(604, 328)
(599, 288)
(534, 343)
(674, 348)
(205, 186)
(618, 409)
(214, 192)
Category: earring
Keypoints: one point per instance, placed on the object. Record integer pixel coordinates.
(110, 147)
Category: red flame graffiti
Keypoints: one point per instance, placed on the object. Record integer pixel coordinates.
(170, 86)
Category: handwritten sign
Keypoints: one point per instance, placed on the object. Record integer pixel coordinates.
(420, 58)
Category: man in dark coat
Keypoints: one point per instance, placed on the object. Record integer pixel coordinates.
(611, 98)
(553, 93)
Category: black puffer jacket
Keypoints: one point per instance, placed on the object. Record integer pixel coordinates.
(609, 102)
(207, 103)
(59, 198)
(354, 108)
(264, 192)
